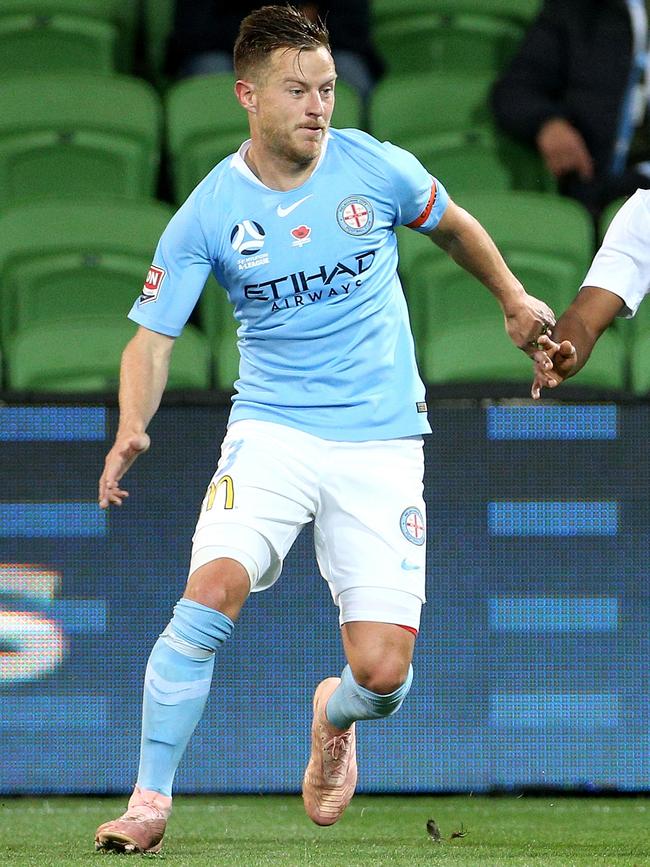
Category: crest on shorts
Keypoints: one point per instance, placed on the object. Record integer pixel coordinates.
(355, 215)
(412, 525)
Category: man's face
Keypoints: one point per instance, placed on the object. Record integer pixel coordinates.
(295, 99)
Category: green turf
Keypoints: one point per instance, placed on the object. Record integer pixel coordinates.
(252, 831)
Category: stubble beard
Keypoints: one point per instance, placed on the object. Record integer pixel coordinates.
(281, 145)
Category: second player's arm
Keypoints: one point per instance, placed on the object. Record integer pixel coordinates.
(467, 242)
(591, 312)
(143, 377)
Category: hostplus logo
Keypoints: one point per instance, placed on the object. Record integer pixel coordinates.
(301, 287)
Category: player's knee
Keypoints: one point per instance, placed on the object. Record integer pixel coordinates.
(195, 630)
(222, 585)
(387, 703)
(385, 676)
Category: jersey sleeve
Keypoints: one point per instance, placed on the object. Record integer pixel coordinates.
(622, 264)
(420, 198)
(181, 265)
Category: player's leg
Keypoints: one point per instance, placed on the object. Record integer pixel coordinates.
(373, 685)
(176, 687)
(241, 538)
(370, 546)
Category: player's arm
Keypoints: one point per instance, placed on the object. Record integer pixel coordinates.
(143, 376)
(575, 335)
(467, 242)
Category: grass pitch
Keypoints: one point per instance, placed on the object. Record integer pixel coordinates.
(255, 831)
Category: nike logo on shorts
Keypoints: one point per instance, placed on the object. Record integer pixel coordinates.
(408, 565)
(283, 212)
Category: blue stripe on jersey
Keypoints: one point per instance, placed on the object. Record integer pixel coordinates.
(324, 333)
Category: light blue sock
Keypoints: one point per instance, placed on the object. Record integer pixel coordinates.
(176, 687)
(350, 701)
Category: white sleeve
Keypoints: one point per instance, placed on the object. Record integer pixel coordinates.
(622, 264)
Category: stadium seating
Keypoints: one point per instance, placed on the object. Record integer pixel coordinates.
(67, 35)
(639, 342)
(547, 241)
(55, 44)
(77, 134)
(82, 355)
(205, 123)
(157, 20)
(521, 11)
(466, 341)
(405, 107)
(65, 258)
(542, 223)
(608, 215)
(481, 159)
(446, 43)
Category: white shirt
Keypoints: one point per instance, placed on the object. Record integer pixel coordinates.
(622, 264)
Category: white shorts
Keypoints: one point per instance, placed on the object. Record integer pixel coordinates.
(365, 499)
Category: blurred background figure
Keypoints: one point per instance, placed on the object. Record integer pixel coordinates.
(204, 34)
(577, 91)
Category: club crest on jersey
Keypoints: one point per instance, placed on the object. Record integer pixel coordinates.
(301, 235)
(152, 284)
(355, 215)
(411, 524)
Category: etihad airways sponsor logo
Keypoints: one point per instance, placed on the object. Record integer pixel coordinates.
(301, 287)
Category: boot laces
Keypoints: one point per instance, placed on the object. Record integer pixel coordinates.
(336, 748)
(145, 812)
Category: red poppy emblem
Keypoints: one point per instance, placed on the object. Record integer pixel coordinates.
(301, 232)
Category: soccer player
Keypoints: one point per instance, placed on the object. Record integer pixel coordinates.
(329, 411)
(616, 283)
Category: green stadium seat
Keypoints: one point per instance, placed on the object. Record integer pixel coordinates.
(158, 21)
(444, 43)
(77, 134)
(539, 223)
(348, 110)
(547, 242)
(59, 27)
(481, 159)
(639, 342)
(58, 43)
(198, 139)
(480, 352)
(608, 215)
(83, 355)
(65, 258)
(205, 124)
(405, 107)
(466, 341)
(520, 11)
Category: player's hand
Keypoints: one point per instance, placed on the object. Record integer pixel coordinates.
(124, 452)
(563, 359)
(526, 320)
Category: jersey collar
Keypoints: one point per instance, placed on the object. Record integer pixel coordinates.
(239, 163)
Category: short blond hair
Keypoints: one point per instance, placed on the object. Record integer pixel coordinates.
(272, 27)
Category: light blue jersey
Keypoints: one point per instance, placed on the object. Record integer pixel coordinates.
(324, 333)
